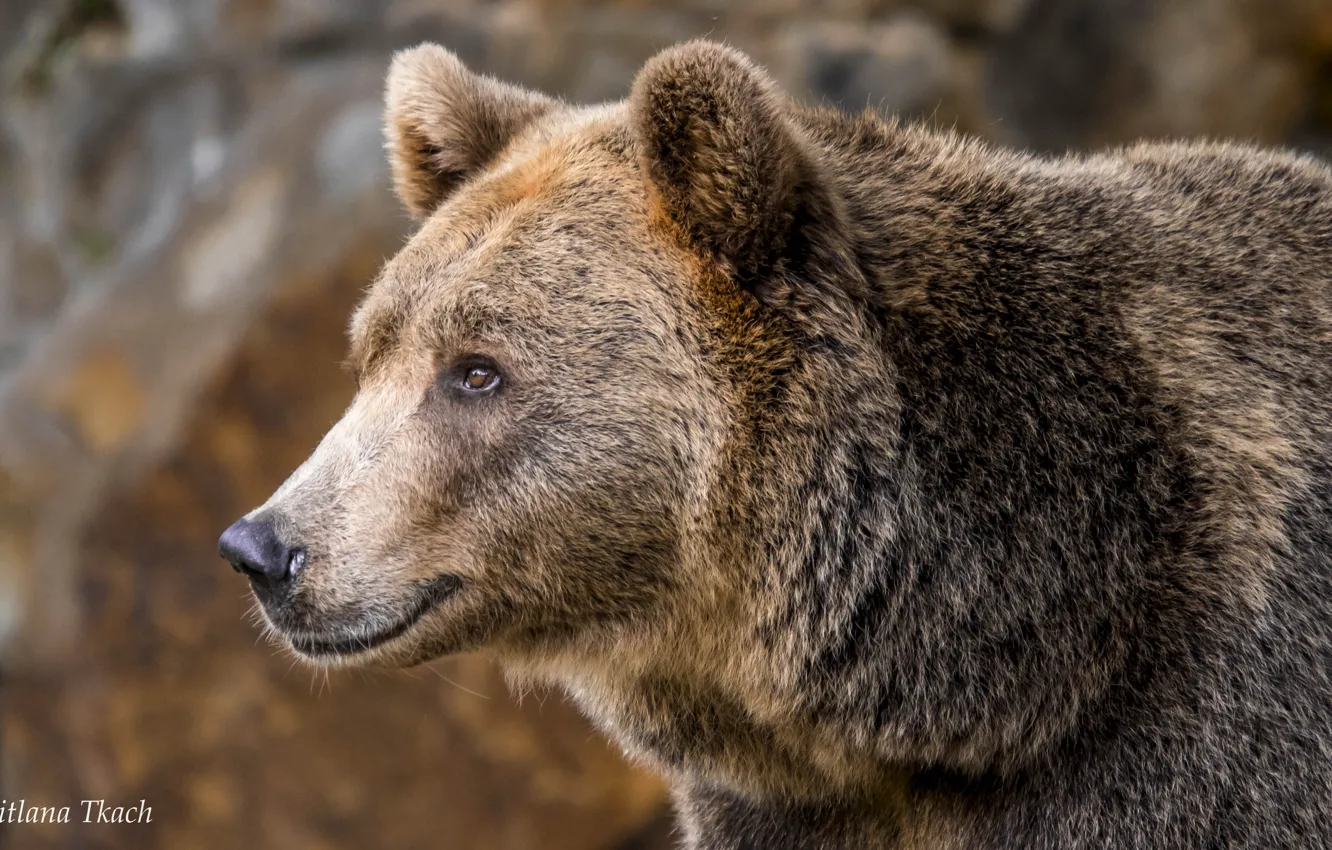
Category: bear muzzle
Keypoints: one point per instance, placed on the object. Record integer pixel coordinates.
(254, 549)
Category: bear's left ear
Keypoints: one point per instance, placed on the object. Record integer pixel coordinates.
(727, 164)
(444, 123)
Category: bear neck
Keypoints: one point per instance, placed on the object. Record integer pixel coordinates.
(945, 503)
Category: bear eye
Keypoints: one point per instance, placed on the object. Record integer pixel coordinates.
(479, 377)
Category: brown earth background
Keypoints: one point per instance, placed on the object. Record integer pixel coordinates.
(192, 196)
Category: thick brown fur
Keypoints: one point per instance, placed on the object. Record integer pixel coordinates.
(881, 488)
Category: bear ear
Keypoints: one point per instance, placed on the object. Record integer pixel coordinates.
(724, 160)
(444, 123)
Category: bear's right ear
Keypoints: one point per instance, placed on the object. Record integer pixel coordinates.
(444, 123)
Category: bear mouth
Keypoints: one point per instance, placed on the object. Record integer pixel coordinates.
(432, 594)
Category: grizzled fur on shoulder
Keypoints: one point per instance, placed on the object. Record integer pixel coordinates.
(881, 488)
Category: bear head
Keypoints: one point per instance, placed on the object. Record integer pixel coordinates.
(560, 374)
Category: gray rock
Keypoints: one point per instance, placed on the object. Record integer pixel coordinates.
(901, 64)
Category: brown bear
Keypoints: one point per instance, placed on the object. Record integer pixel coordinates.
(879, 487)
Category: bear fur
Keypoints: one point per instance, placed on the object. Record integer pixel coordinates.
(879, 487)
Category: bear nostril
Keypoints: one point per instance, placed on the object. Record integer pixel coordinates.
(252, 547)
(295, 563)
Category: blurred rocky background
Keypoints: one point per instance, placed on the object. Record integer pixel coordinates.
(192, 196)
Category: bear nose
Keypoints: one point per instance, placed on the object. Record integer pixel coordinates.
(252, 547)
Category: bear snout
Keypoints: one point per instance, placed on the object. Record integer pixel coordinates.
(254, 549)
